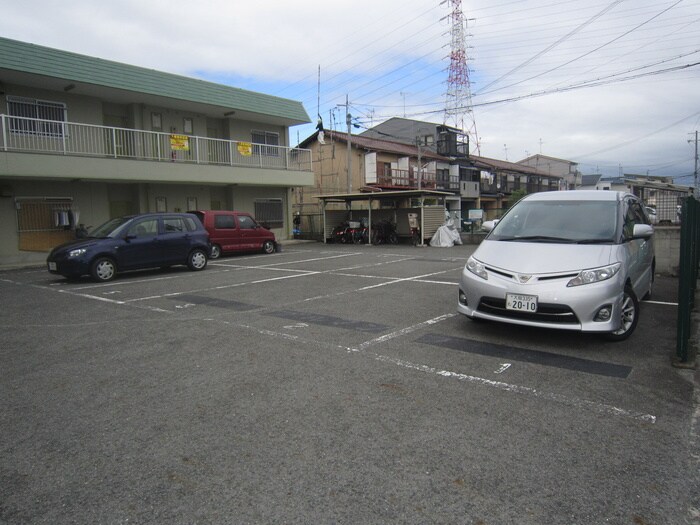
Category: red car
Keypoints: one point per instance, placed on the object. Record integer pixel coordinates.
(235, 231)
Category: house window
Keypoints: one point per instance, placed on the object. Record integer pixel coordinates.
(269, 212)
(37, 117)
(265, 143)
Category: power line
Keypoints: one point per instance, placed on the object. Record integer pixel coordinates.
(555, 44)
(589, 52)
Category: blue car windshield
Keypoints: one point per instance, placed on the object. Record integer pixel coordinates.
(111, 228)
(565, 221)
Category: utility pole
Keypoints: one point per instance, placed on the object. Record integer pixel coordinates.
(348, 120)
(419, 162)
(695, 173)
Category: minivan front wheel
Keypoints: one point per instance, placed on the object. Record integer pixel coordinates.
(268, 247)
(629, 315)
(215, 251)
(103, 269)
(197, 260)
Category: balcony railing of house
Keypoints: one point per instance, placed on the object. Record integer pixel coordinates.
(511, 186)
(20, 134)
(408, 180)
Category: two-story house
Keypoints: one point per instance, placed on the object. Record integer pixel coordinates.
(483, 184)
(659, 193)
(566, 169)
(83, 140)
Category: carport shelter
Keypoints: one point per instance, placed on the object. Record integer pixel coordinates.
(428, 205)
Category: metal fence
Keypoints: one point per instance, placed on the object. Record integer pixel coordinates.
(70, 138)
(688, 274)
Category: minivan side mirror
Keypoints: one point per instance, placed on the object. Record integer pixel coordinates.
(642, 231)
(489, 225)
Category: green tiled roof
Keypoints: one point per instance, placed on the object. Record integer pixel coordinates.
(39, 60)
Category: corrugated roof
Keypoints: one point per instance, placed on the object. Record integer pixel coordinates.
(45, 61)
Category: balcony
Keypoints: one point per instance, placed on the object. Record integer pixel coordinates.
(396, 179)
(25, 135)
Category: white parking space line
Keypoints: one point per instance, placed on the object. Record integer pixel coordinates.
(299, 273)
(222, 287)
(404, 331)
(524, 390)
(404, 279)
(301, 261)
(583, 404)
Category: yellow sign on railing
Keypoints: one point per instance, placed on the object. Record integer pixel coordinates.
(179, 143)
(245, 148)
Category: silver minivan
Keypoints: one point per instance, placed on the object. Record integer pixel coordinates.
(572, 260)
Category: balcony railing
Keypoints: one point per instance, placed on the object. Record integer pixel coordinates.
(511, 186)
(408, 180)
(70, 138)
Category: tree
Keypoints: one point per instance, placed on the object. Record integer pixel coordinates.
(515, 196)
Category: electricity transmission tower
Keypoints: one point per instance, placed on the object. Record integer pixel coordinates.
(458, 104)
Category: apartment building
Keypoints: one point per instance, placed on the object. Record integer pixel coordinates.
(83, 140)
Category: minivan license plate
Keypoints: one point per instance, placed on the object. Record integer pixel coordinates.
(521, 303)
(52, 266)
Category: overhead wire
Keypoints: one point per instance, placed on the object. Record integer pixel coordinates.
(591, 51)
(561, 40)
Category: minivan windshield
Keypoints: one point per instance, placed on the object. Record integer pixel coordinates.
(109, 228)
(576, 222)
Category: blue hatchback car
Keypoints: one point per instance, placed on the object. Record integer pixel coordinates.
(135, 242)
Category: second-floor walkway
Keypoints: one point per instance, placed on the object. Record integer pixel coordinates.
(20, 134)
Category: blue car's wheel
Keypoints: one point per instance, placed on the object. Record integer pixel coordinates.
(103, 269)
(197, 260)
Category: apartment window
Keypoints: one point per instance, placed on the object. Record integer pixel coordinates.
(43, 223)
(37, 117)
(265, 143)
(269, 212)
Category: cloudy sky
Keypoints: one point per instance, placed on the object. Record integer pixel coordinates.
(611, 84)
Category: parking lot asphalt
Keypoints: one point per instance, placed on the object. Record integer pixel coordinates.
(331, 384)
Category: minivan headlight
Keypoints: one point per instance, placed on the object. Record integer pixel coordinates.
(595, 275)
(477, 268)
(77, 252)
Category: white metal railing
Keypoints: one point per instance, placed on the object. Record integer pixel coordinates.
(70, 138)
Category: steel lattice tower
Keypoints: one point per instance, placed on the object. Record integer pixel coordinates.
(458, 104)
